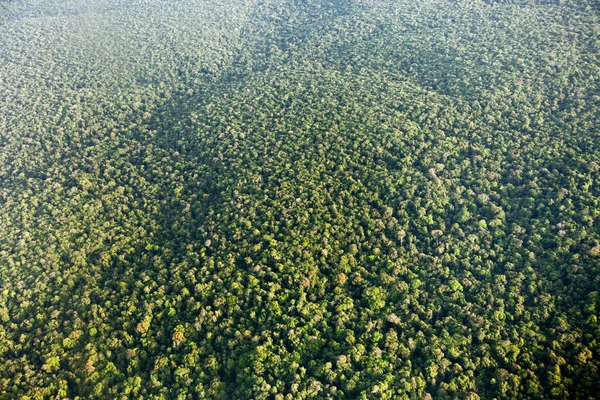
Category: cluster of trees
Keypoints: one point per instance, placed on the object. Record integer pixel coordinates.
(313, 199)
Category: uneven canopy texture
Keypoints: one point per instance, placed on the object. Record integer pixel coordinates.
(299, 199)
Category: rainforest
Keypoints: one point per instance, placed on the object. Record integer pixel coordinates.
(299, 199)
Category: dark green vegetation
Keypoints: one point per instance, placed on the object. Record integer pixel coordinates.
(298, 199)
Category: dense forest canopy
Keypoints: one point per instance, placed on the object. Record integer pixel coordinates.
(287, 199)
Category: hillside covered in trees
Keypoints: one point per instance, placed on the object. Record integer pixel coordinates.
(294, 199)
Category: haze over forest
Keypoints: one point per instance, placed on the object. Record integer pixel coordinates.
(297, 199)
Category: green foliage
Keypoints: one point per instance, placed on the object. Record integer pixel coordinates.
(310, 199)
